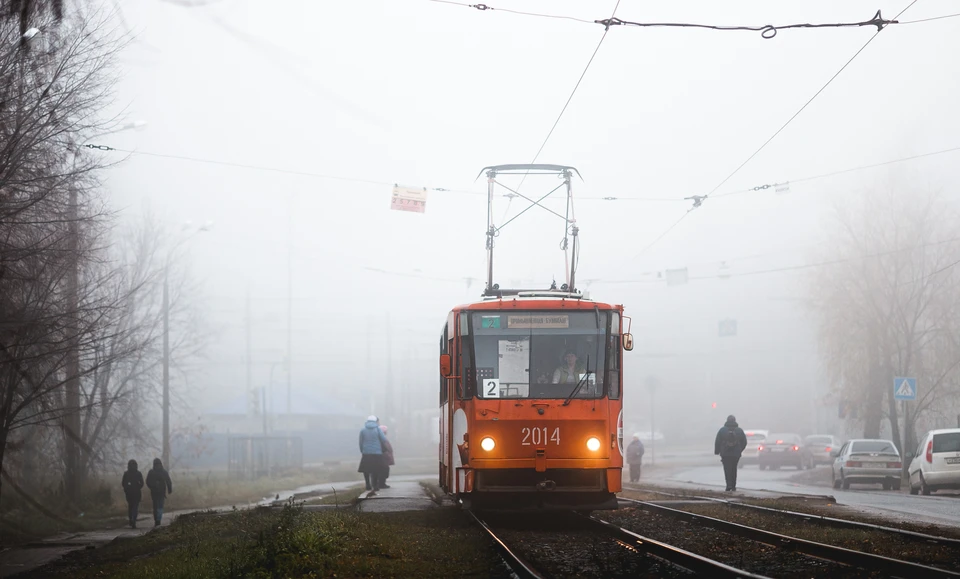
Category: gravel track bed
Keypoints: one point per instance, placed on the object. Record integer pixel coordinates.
(874, 542)
(735, 551)
(562, 546)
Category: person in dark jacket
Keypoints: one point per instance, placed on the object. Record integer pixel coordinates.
(132, 483)
(158, 481)
(635, 457)
(371, 453)
(387, 457)
(730, 443)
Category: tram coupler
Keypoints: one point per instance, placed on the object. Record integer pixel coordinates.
(546, 485)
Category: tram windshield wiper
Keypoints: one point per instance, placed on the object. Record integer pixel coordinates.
(580, 384)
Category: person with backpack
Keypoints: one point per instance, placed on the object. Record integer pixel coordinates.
(158, 481)
(730, 443)
(132, 483)
(635, 457)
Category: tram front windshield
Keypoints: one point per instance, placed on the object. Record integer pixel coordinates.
(541, 354)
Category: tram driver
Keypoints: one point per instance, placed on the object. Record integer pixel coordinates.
(570, 371)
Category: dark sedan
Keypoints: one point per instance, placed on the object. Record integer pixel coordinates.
(784, 449)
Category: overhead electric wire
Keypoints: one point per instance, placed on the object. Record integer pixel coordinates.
(699, 199)
(929, 19)
(766, 31)
(511, 195)
(805, 105)
(803, 265)
(575, 87)
(834, 173)
(511, 11)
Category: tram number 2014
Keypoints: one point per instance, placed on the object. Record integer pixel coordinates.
(539, 435)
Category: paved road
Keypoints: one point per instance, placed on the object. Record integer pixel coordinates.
(936, 508)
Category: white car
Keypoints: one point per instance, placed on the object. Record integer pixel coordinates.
(755, 438)
(821, 445)
(936, 462)
(866, 461)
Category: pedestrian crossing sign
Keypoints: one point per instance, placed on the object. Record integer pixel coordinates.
(904, 388)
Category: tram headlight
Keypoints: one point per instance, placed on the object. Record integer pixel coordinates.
(487, 444)
(593, 444)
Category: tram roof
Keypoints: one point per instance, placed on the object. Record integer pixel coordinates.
(548, 299)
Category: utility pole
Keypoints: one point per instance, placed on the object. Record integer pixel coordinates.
(249, 356)
(388, 402)
(166, 367)
(71, 421)
(653, 436)
(289, 301)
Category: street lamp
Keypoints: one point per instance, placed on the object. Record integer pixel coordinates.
(166, 337)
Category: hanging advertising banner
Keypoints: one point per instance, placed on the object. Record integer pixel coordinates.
(409, 199)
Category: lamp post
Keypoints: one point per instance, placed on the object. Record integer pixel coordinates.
(166, 341)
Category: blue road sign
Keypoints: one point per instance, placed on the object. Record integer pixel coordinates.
(905, 388)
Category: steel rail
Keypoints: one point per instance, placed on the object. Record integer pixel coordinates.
(890, 566)
(675, 555)
(936, 539)
(833, 521)
(519, 567)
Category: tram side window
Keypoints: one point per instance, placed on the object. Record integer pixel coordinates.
(468, 376)
(443, 380)
(614, 351)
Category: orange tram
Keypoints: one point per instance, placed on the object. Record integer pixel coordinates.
(531, 389)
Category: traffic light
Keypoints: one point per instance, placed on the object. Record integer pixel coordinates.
(714, 405)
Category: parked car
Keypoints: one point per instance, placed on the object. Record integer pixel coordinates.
(820, 446)
(936, 462)
(755, 438)
(867, 461)
(784, 449)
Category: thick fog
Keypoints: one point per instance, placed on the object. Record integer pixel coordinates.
(286, 124)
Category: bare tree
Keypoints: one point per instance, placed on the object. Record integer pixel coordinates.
(52, 224)
(123, 372)
(887, 305)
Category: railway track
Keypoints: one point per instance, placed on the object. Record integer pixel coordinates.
(647, 557)
(848, 557)
(820, 519)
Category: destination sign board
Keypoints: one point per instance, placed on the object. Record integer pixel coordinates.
(538, 321)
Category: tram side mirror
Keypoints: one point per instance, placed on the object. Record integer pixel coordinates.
(628, 342)
(446, 365)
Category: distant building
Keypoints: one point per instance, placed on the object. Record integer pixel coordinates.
(328, 427)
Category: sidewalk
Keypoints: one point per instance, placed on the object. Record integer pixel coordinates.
(401, 496)
(27, 557)
(32, 555)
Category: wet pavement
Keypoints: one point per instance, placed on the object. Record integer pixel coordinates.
(403, 495)
(32, 555)
(895, 505)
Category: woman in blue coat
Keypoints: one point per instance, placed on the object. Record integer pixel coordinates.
(372, 442)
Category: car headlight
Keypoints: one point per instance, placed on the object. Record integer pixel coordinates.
(593, 444)
(487, 444)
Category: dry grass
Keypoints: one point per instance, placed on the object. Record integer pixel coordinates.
(293, 543)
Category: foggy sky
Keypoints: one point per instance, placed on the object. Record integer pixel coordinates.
(426, 94)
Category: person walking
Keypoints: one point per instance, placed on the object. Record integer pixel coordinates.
(729, 445)
(371, 453)
(132, 483)
(160, 485)
(387, 457)
(635, 457)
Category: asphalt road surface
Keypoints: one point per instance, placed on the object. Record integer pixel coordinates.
(937, 508)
